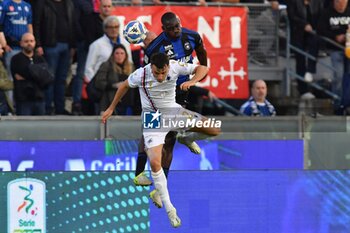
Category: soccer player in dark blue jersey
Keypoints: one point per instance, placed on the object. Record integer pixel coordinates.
(178, 43)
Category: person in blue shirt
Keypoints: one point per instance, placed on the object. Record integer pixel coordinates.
(257, 104)
(16, 19)
(178, 43)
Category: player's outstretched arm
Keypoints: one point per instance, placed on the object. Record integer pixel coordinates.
(122, 90)
(199, 73)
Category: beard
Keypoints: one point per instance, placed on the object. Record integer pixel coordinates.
(28, 49)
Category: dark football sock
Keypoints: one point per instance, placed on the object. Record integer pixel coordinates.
(141, 162)
(166, 171)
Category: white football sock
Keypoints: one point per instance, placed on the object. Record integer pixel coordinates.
(161, 184)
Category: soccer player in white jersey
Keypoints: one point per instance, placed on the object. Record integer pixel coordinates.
(156, 83)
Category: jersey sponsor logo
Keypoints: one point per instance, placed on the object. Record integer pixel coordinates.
(170, 53)
(20, 21)
(185, 59)
(12, 13)
(168, 47)
(181, 63)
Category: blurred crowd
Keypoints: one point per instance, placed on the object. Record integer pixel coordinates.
(45, 38)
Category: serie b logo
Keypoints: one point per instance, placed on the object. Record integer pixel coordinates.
(26, 205)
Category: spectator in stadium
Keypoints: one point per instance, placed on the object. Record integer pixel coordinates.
(54, 25)
(178, 43)
(257, 104)
(110, 76)
(331, 24)
(304, 15)
(6, 84)
(157, 92)
(83, 11)
(29, 92)
(91, 24)
(16, 19)
(101, 49)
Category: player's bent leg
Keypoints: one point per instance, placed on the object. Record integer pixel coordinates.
(154, 152)
(203, 133)
(167, 152)
(194, 134)
(209, 131)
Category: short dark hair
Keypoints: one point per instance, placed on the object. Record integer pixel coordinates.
(168, 17)
(160, 60)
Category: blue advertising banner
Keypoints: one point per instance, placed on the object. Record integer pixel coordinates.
(122, 155)
(273, 201)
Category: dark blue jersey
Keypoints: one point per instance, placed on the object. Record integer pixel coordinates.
(15, 18)
(176, 49)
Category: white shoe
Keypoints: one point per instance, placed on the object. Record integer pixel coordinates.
(193, 146)
(307, 96)
(142, 180)
(174, 219)
(308, 77)
(155, 197)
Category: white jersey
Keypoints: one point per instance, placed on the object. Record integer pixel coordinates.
(155, 95)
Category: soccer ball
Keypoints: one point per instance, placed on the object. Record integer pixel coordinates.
(135, 32)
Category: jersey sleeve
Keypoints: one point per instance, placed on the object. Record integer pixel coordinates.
(135, 79)
(182, 68)
(197, 40)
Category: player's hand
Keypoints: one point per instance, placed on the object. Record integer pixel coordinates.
(186, 85)
(106, 114)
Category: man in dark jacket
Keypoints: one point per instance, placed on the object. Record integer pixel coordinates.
(304, 15)
(333, 23)
(28, 92)
(54, 31)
